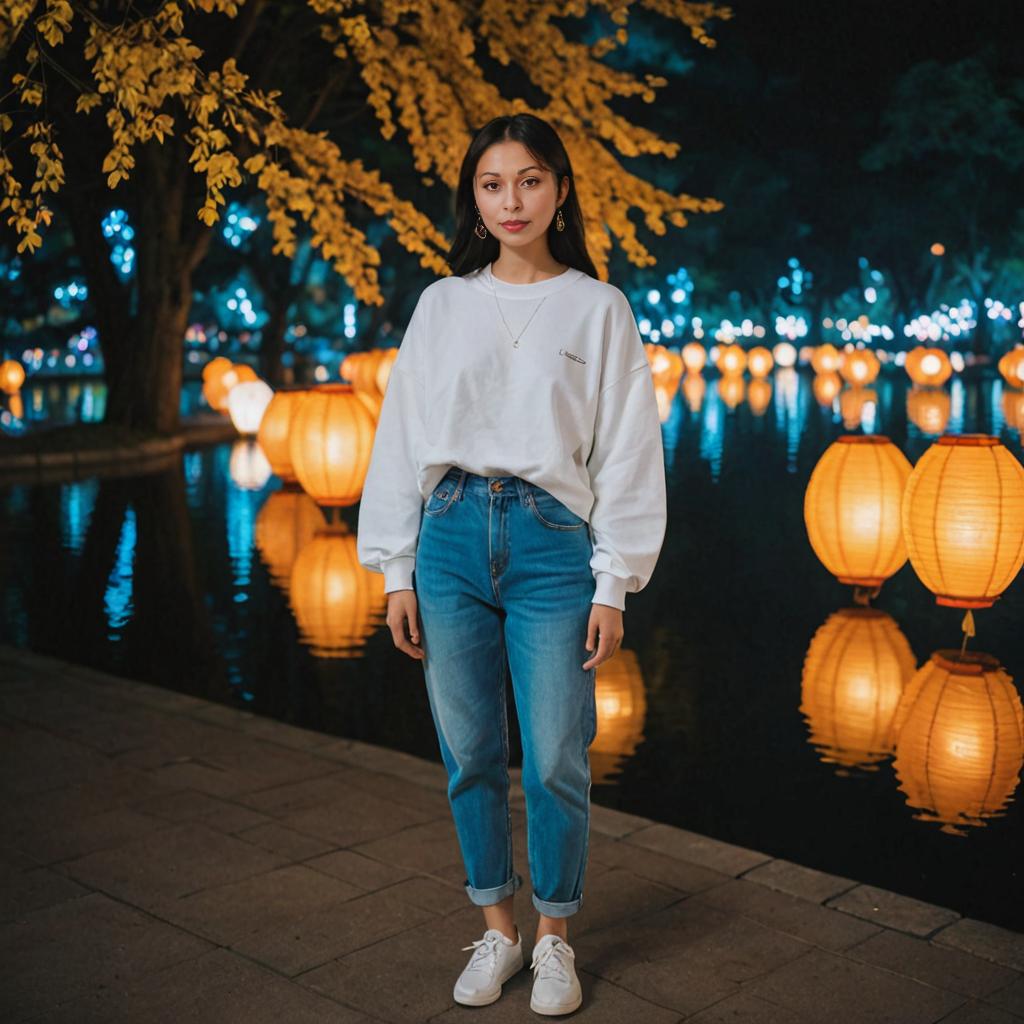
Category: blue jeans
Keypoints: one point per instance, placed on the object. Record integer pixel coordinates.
(503, 572)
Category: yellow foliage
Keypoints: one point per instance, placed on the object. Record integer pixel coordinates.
(417, 60)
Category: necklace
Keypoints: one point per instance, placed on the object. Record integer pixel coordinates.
(515, 337)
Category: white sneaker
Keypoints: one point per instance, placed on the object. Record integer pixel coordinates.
(495, 959)
(556, 989)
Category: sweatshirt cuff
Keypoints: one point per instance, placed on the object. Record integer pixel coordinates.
(610, 589)
(398, 573)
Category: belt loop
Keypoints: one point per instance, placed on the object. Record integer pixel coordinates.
(522, 487)
(460, 485)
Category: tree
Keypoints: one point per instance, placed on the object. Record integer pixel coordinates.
(190, 108)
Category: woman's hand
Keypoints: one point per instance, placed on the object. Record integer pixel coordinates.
(605, 623)
(403, 620)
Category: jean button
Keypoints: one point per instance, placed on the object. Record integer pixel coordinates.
(495, 485)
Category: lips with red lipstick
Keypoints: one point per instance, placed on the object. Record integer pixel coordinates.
(514, 225)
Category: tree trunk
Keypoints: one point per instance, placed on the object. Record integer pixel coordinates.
(272, 345)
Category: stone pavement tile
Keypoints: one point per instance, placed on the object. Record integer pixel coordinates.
(218, 986)
(54, 954)
(188, 805)
(616, 896)
(355, 818)
(1010, 997)
(988, 941)
(790, 914)
(173, 862)
(23, 890)
(285, 841)
(422, 847)
(611, 822)
(406, 977)
(291, 919)
(744, 1008)
(401, 790)
(658, 867)
(687, 956)
(826, 987)
(980, 1013)
(365, 872)
(284, 734)
(904, 913)
(441, 898)
(424, 773)
(797, 880)
(33, 761)
(934, 965)
(698, 849)
(278, 801)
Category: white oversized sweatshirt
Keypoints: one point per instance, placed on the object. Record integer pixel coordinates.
(572, 410)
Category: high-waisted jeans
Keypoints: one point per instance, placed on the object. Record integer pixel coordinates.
(503, 572)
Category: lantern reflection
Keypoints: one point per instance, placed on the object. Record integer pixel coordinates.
(960, 743)
(855, 404)
(928, 409)
(826, 387)
(731, 389)
(856, 668)
(759, 396)
(248, 466)
(621, 711)
(287, 522)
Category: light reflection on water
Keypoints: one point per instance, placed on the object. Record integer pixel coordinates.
(705, 719)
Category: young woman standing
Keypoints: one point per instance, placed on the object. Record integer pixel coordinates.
(515, 495)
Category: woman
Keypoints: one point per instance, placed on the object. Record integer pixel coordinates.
(516, 493)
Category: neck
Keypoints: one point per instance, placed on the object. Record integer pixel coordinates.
(522, 267)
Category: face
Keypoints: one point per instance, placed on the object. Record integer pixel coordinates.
(510, 185)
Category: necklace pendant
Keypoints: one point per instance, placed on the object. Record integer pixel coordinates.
(515, 344)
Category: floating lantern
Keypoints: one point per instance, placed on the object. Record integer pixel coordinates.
(331, 442)
(857, 666)
(928, 409)
(963, 519)
(732, 360)
(337, 603)
(248, 466)
(731, 389)
(759, 361)
(247, 402)
(928, 366)
(826, 386)
(784, 354)
(695, 357)
(621, 712)
(383, 374)
(215, 367)
(1013, 409)
(852, 509)
(694, 387)
(1011, 366)
(859, 366)
(826, 359)
(218, 385)
(275, 430)
(12, 376)
(759, 395)
(287, 522)
(960, 740)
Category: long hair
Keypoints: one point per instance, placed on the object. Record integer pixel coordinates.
(469, 252)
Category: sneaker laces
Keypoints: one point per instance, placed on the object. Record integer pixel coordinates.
(486, 950)
(550, 962)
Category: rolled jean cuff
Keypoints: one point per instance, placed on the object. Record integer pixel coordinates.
(557, 909)
(488, 897)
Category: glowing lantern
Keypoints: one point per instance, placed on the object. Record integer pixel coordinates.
(337, 603)
(731, 390)
(695, 357)
(248, 466)
(928, 409)
(784, 354)
(759, 394)
(732, 360)
(657, 358)
(960, 739)
(288, 521)
(16, 406)
(215, 367)
(826, 386)
(219, 385)
(275, 430)
(859, 366)
(759, 361)
(852, 509)
(12, 375)
(928, 366)
(621, 711)
(383, 374)
(331, 442)
(694, 387)
(963, 519)
(1011, 366)
(373, 402)
(1013, 409)
(664, 394)
(856, 669)
(247, 402)
(826, 359)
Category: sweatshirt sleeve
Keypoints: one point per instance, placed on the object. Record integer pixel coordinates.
(391, 503)
(627, 478)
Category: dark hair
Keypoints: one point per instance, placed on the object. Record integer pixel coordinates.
(469, 252)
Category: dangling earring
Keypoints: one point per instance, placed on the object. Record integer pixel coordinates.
(559, 222)
(479, 225)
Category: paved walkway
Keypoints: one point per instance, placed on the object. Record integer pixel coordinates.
(163, 858)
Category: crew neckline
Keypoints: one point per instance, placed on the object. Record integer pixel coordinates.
(533, 290)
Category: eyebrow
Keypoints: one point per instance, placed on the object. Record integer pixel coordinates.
(532, 167)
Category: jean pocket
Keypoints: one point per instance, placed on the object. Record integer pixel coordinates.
(552, 513)
(441, 498)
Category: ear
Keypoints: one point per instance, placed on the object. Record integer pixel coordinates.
(563, 191)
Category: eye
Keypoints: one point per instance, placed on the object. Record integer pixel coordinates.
(487, 186)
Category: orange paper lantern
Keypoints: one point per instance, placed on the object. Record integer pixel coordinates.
(275, 430)
(759, 361)
(928, 366)
(1011, 366)
(859, 366)
(732, 360)
(963, 519)
(695, 357)
(826, 359)
(12, 376)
